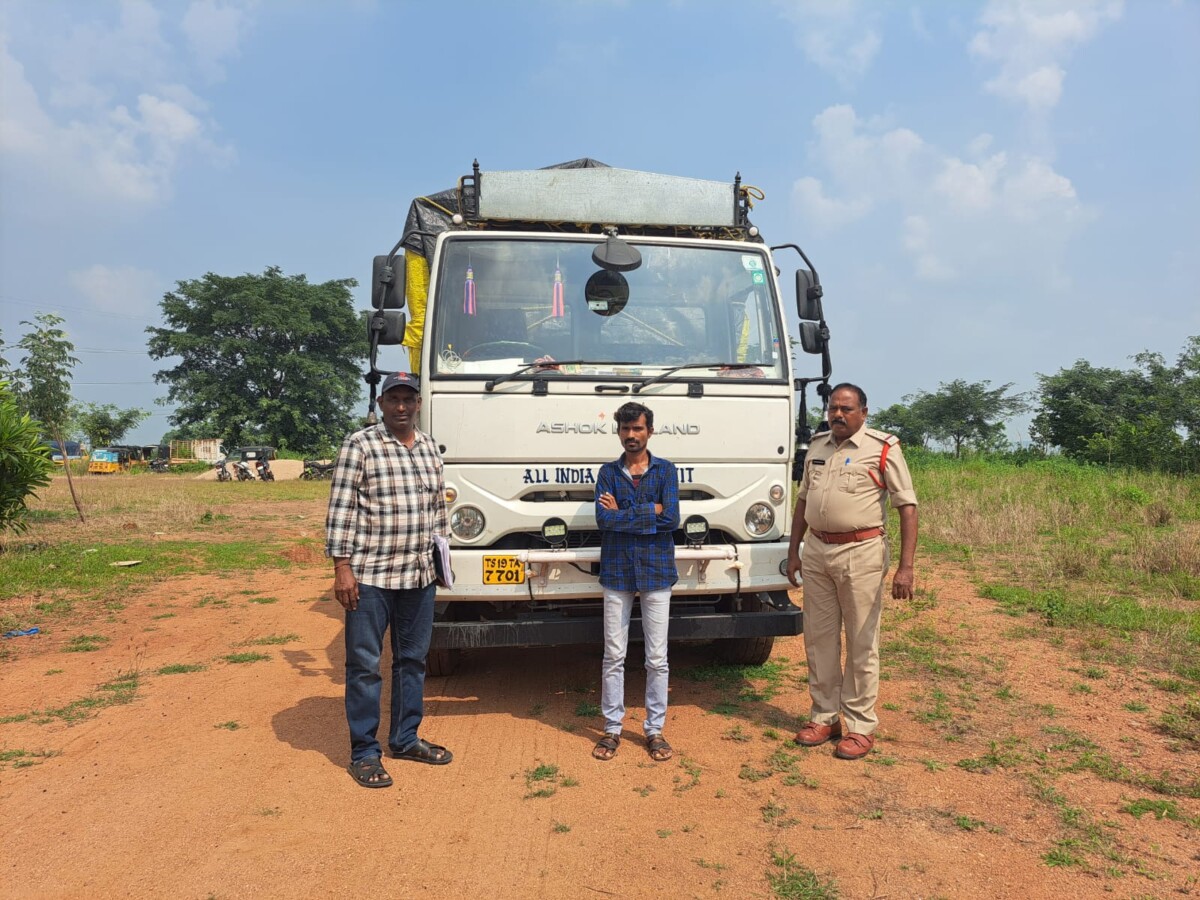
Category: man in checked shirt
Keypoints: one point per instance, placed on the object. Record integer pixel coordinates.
(386, 502)
(637, 509)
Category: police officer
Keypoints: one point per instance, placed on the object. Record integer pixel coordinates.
(849, 473)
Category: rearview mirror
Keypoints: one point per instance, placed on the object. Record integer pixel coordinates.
(813, 339)
(386, 327)
(387, 282)
(808, 297)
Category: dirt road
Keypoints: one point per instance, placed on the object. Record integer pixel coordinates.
(229, 780)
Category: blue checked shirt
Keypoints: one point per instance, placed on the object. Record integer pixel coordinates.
(385, 504)
(637, 552)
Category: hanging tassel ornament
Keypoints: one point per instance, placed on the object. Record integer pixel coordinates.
(558, 306)
(469, 307)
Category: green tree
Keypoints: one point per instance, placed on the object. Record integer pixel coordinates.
(263, 358)
(1078, 403)
(963, 414)
(1145, 417)
(25, 462)
(904, 422)
(43, 381)
(106, 424)
(5, 373)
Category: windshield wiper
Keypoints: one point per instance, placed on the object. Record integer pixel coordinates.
(663, 376)
(551, 364)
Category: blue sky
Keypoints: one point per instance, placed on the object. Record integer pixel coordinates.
(988, 190)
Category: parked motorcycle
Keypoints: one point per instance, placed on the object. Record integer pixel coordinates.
(316, 471)
(222, 470)
(242, 471)
(264, 469)
(160, 465)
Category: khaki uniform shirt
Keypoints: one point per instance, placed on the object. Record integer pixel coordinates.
(839, 491)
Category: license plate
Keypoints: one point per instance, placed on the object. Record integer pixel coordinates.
(503, 570)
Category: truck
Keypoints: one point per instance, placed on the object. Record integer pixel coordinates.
(532, 303)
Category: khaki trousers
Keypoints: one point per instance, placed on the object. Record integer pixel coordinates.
(843, 590)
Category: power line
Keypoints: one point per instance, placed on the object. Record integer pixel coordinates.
(59, 306)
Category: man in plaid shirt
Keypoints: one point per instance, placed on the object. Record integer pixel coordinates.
(637, 509)
(387, 501)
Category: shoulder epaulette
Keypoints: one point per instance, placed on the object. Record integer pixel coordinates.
(883, 436)
(888, 441)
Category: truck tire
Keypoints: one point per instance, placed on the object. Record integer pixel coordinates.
(440, 663)
(753, 651)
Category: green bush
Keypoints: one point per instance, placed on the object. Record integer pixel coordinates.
(25, 463)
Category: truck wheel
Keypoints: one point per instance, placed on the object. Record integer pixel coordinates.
(442, 662)
(752, 651)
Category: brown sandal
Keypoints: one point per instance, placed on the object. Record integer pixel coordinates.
(606, 747)
(658, 748)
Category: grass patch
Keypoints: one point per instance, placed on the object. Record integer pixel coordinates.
(248, 657)
(231, 725)
(587, 709)
(23, 759)
(116, 692)
(544, 780)
(1183, 722)
(1162, 809)
(271, 640)
(792, 881)
(181, 669)
(264, 600)
(752, 684)
(86, 643)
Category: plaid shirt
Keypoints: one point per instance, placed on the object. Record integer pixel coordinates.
(385, 504)
(637, 551)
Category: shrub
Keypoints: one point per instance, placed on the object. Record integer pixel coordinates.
(25, 462)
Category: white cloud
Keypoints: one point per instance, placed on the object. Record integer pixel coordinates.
(1030, 40)
(824, 211)
(954, 217)
(214, 29)
(916, 239)
(103, 120)
(124, 290)
(839, 36)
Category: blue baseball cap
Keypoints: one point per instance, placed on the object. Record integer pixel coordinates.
(400, 379)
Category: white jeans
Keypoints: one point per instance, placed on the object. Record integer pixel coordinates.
(618, 606)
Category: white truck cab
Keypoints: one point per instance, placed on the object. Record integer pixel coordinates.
(540, 301)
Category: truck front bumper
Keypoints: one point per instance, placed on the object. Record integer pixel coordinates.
(552, 628)
(552, 575)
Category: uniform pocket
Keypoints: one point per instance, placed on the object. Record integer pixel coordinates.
(853, 479)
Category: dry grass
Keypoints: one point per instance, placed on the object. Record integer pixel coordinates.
(118, 507)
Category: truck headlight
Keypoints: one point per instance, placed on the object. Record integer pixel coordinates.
(760, 518)
(467, 523)
(776, 494)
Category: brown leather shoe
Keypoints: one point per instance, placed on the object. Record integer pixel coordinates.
(813, 734)
(854, 746)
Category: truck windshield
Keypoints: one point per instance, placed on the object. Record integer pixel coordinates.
(505, 303)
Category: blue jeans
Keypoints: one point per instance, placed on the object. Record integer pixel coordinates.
(409, 614)
(618, 607)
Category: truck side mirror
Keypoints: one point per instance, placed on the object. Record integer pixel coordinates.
(385, 328)
(808, 297)
(387, 282)
(813, 338)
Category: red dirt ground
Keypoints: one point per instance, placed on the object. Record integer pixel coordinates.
(161, 797)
